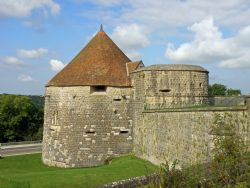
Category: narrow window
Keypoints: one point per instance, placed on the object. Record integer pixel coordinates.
(165, 90)
(117, 99)
(54, 118)
(123, 131)
(98, 89)
(90, 132)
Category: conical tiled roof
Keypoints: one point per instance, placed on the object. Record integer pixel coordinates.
(101, 62)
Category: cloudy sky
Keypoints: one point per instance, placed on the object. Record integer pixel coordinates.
(39, 37)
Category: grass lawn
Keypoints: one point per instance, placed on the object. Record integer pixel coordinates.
(27, 171)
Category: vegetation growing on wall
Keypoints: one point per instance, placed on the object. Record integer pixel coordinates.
(229, 166)
(20, 119)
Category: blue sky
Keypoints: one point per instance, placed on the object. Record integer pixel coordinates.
(39, 37)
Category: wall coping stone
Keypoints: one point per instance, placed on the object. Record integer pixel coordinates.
(134, 182)
(195, 109)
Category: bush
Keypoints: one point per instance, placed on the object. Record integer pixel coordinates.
(229, 165)
(172, 177)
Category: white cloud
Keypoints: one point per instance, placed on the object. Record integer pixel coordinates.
(35, 53)
(23, 8)
(209, 46)
(56, 65)
(164, 16)
(25, 78)
(10, 60)
(130, 38)
(239, 62)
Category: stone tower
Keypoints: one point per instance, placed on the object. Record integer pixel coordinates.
(171, 85)
(88, 113)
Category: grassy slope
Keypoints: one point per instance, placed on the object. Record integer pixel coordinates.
(28, 171)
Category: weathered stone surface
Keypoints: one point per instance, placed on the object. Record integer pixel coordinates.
(170, 88)
(157, 118)
(78, 127)
(182, 135)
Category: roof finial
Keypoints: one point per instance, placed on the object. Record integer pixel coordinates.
(101, 28)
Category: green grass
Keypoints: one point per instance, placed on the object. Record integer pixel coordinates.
(27, 171)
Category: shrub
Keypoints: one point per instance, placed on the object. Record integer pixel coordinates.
(229, 164)
(171, 176)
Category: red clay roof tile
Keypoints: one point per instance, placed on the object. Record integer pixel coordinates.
(101, 62)
(134, 65)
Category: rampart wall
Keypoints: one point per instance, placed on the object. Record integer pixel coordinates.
(183, 134)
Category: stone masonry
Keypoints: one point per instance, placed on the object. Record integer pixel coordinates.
(85, 129)
(182, 134)
(102, 105)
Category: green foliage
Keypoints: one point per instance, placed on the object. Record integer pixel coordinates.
(172, 177)
(175, 177)
(28, 170)
(233, 92)
(222, 90)
(217, 90)
(20, 119)
(229, 165)
(37, 100)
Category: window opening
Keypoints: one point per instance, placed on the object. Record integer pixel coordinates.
(123, 131)
(97, 89)
(165, 90)
(90, 132)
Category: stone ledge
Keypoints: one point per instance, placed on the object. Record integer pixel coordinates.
(195, 109)
(133, 182)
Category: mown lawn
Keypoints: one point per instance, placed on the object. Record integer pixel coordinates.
(27, 171)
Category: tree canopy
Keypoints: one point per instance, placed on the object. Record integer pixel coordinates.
(20, 119)
(222, 90)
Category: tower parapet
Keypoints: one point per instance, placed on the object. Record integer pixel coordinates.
(172, 85)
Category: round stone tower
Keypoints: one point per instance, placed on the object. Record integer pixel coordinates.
(171, 85)
(87, 116)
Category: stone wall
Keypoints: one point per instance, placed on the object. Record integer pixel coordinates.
(182, 134)
(164, 89)
(227, 101)
(157, 118)
(170, 88)
(134, 182)
(83, 128)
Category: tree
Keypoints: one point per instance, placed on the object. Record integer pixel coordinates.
(20, 119)
(217, 89)
(221, 90)
(233, 92)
